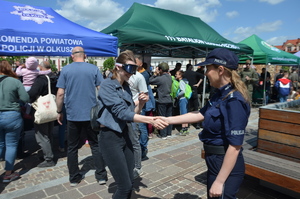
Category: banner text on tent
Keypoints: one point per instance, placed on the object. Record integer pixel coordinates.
(30, 44)
(198, 41)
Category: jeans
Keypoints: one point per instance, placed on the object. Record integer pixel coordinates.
(44, 137)
(282, 98)
(77, 133)
(183, 105)
(134, 137)
(117, 152)
(144, 134)
(11, 124)
(165, 109)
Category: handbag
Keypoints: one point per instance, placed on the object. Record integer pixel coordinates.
(95, 113)
(45, 106)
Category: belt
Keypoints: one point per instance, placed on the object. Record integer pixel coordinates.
(218, 150)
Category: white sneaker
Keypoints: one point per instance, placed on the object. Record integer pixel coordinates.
(74, 184)
(102, 182)
(137, 173)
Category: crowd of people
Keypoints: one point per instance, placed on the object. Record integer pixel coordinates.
(284, 87)
(130, 110)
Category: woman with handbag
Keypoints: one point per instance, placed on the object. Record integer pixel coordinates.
(119, 111)
(44, 131)
(11, 122)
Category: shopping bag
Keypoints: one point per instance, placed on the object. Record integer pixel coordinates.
(45, 106)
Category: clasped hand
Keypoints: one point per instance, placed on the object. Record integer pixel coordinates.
(160, 122)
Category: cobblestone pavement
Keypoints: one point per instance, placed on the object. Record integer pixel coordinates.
(174, 170)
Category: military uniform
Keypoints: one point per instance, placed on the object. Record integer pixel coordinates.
(226, 117)
(249, 83)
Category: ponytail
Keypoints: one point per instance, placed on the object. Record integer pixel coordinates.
(238, 84)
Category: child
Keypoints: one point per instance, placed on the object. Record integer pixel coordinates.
(29, 72)
(283, 85)
(183, 101)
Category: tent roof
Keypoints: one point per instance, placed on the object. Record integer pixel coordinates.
(265, 53)
(160, 32)
(297, 54)
(33, 30)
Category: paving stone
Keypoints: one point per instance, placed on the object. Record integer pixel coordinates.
(55, 190)
(52, 197)
(92, 196)
(72, 194)
(33, 195)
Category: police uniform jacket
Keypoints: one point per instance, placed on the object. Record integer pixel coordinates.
(225, 118)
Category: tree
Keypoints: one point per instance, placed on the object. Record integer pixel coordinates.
(108, 64)
(92, 61)
(12, 59)
(53, 66)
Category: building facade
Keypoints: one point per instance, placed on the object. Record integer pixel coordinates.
(291, 46)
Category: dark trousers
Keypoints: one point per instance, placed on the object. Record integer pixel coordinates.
(165, 109)
(194, 100)
(117, 152)
(77, 133)
(234, 180)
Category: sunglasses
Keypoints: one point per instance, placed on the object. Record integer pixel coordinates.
(129, 68)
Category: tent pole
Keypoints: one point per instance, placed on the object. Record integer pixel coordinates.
(265, 81)
(298, 76)
(204, 83)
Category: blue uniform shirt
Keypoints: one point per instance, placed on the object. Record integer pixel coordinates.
(225, 120)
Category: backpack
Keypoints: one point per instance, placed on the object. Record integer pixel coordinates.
(188, 91)
(174, 88)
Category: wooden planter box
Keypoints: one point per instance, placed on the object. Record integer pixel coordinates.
(279, 131)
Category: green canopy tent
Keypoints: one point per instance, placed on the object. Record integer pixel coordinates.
(164, 33)
(264, 53)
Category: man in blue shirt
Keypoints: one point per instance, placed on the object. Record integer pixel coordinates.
(77, 89)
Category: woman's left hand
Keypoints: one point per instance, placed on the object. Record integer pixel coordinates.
(143, 97)
(216, 189)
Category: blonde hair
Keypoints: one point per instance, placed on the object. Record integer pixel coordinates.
(238, 84)
(124, 56)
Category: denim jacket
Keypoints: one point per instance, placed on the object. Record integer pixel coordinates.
(118, 105)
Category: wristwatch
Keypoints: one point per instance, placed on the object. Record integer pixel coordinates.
(59, 111)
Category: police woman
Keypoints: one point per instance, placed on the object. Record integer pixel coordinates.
(118, 112)
(225, 119)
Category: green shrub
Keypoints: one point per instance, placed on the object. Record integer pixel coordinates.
(108, 64)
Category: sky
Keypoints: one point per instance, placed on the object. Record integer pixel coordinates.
(274, 21)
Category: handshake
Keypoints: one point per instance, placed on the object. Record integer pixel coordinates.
(160, 122)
